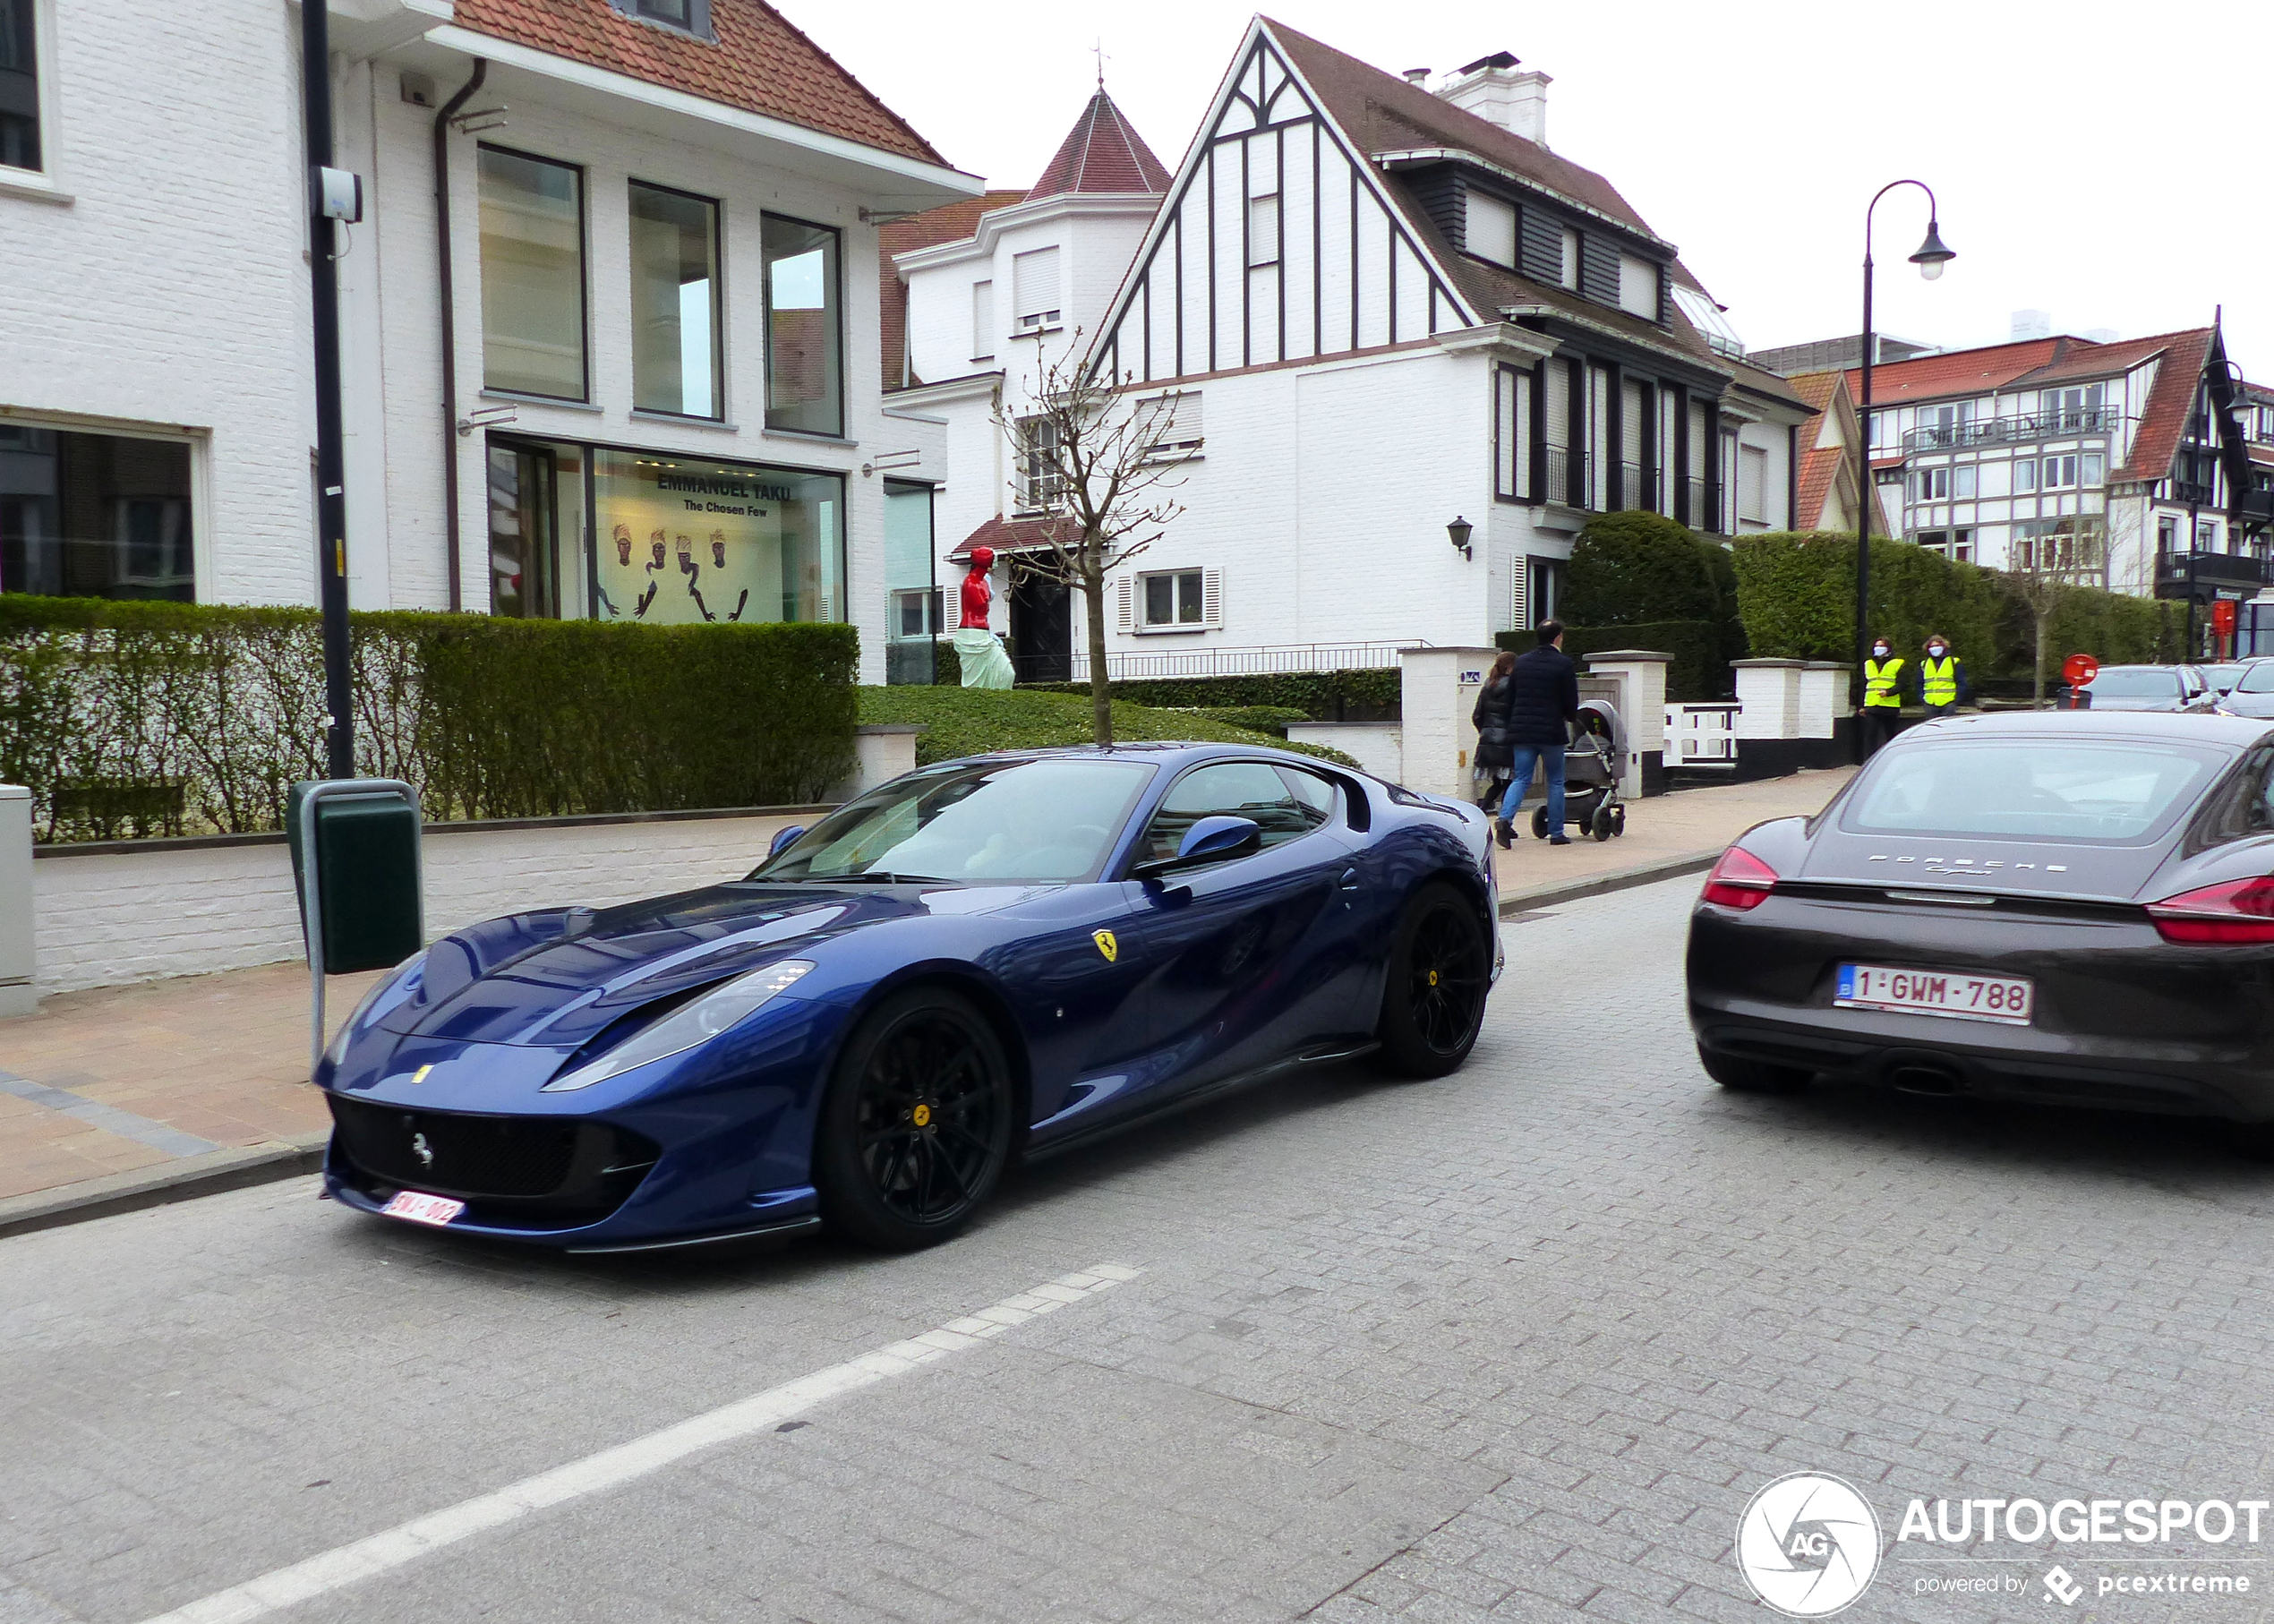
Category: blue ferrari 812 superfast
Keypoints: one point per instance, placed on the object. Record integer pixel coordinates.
(981, 960)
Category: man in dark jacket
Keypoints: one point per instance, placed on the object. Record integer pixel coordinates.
(1542, 698)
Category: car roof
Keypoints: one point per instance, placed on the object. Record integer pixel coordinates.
(2237, 732)
(1173, 751)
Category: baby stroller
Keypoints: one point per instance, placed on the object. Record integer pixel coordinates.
(1590, 764)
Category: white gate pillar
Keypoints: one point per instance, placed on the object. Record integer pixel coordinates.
(1641, 676)
(1438, 688)
(19, 984)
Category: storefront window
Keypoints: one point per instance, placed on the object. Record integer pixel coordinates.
(804, 375)
(682, 541)
(94, 516)
(910, 582)
(533, 276)
(675, 256)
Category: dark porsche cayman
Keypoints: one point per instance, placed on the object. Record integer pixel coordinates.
(984, 959)
(2070, 908)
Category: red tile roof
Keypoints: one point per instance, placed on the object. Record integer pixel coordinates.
(1011, 535)
(1102, 153)
(948, 223)
(1825, 392)
(1973, 372)
(2155, 443)
(759, 62)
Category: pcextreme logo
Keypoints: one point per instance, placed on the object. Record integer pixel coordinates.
(1809, 1544)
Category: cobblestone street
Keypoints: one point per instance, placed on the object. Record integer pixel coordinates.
(1520, 1344)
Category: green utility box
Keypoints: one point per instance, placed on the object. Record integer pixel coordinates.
(366, 894)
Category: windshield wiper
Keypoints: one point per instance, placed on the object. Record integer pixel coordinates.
(881, 876)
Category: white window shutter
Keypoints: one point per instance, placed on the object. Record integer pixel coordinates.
(1211, 597)
(1128, 595)
(1034, 283)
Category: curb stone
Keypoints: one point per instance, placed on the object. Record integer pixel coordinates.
(181, 1180)
(236, 1168)
(1617, 879)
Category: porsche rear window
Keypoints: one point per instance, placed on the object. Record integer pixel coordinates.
(2136, 685)
(2115, 791)
(991, 823)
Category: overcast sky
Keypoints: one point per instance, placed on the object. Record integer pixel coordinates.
(2104, 162)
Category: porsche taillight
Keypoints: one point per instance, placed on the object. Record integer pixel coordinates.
(1739, 880)
(2236, 911)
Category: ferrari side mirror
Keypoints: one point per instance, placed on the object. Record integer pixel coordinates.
(784, 838)
(1212, 840)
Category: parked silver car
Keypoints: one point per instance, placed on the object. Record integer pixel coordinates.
(2146, 687)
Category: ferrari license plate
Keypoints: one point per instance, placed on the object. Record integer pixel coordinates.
(1936, 992)
(422, 1209)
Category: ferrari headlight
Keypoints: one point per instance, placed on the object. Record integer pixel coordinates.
(685, 1027)
(337, 1050)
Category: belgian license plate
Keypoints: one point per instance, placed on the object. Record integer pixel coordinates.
(422, 1209)
(1936, 992)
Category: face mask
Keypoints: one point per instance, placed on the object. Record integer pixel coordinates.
(1879, 650)
(1935, 651)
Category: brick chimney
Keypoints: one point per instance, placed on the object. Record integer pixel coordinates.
(1494, 90)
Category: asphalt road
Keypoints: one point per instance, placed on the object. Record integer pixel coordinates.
(1518, 1344)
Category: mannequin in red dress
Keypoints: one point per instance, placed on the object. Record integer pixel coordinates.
(979, 650)
(976, 594)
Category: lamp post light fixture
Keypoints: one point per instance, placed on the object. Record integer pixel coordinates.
(1459, 530)
(1930, 259)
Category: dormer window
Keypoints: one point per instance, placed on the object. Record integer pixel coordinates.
(1639, 286)
(1491, 230)
(688, 16)
(1568, 274)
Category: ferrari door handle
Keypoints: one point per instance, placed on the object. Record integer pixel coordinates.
(1350, 880)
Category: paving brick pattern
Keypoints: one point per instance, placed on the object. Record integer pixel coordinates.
(1516, 1344)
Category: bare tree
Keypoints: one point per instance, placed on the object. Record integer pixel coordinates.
(2045, 571)
(1093, 465)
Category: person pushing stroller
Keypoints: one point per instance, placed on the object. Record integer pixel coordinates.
(1522, 717)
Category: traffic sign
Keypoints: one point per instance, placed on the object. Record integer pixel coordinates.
(2078, 670)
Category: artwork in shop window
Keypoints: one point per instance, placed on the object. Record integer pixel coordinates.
(726, 543)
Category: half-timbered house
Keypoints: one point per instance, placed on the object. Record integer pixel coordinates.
(1399, 313)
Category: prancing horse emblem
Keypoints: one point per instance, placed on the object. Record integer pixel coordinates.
(1106, 944)
(421, 1149)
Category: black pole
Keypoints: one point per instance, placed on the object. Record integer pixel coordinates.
(331, 479)
(1870, 495)
(446, 284)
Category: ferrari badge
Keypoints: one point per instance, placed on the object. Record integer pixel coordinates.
(1107, 946)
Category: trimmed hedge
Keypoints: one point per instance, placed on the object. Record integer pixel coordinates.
(1639, 568)
(128, 720)
(1372, 694)
(972, 721)
(1256, 718)
(1797, 592)
(1698, 675)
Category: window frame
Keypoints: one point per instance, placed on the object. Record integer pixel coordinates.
(983, 333)
(1471, 198)
(835, 296)
(200, 503)
(584, 271)
(1261, 256)
(43, 183)
(1026, 323)
(718, 300)
(1177, 580)
(696, 26)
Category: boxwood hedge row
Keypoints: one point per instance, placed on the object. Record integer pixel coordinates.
(131, 719)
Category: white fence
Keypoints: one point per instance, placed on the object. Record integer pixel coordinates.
(1701, 735)
(1247, 662)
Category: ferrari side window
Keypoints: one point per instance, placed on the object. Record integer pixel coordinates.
(1312, 793)
(1237, 789)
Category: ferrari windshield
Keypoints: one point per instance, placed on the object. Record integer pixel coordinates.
(2070, 789)
(987, 822)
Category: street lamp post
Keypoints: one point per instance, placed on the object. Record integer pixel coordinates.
(1930, 259)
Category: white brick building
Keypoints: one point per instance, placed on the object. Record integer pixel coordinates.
(664, 276)
(1386, 310)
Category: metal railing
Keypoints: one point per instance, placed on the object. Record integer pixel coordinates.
(1261, 661)
(1704, 512)
(1638, 486)
(2029, 425)
(1563, 470)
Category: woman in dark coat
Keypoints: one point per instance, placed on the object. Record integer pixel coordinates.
(1494, 752)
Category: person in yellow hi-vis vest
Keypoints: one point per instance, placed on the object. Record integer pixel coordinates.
(1882, 696)
(1942, 678)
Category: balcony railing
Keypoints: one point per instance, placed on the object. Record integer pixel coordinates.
(1702, 512)
(1563, 470)
(1998, 431)
(2185, 574)
(1638, 486)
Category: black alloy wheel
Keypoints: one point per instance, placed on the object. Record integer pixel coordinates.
(917, 1125)
(1432, 1000)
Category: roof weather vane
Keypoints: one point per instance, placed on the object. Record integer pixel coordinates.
(1099, 51)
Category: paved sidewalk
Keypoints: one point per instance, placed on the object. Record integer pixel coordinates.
(120, 1086)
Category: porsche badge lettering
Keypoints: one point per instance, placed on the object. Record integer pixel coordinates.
(1107, 946)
